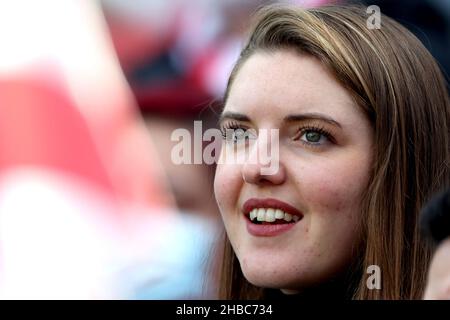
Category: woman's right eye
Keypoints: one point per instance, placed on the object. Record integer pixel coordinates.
(236, 134)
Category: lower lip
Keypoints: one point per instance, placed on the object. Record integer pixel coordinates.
(268, 230)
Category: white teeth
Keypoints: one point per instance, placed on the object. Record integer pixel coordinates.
(253, 214)
(279, 214)
(270, 215)
(261, 214)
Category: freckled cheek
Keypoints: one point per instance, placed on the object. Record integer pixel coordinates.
(332, 190)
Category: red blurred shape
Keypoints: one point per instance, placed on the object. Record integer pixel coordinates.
(40, 126)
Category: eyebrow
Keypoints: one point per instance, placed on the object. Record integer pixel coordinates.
(311, 116)
(233, 116)
(290, 118)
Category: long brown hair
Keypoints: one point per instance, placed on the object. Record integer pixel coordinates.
(398, 84)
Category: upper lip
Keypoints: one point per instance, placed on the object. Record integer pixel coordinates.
(253, 203)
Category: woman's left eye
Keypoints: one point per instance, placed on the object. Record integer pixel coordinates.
(314, 137)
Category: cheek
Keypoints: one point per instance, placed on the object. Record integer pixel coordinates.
(333, 187)
(332, 193)
(227, 183)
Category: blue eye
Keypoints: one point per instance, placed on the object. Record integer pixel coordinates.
(313, 136)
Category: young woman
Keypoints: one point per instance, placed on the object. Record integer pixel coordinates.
(362, 117)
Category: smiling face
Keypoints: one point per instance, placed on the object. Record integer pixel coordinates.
(324, 162)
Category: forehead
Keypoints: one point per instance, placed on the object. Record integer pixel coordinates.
(285, 82)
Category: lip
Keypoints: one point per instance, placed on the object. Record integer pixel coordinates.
(268, 230)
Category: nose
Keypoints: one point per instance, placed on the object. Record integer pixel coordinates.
(262, 167)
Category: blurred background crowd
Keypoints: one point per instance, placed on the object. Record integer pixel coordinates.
(91, 205)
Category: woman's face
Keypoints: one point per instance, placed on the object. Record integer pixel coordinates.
(325, 155)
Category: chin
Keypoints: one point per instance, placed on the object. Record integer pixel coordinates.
(268, 275)
(265, 280)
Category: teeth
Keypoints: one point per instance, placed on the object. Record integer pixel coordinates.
(287, 217)
(261, 214)
(271, 215)
(253, 214)
(279, 214)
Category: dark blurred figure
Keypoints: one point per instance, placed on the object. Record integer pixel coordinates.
(435, 218)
